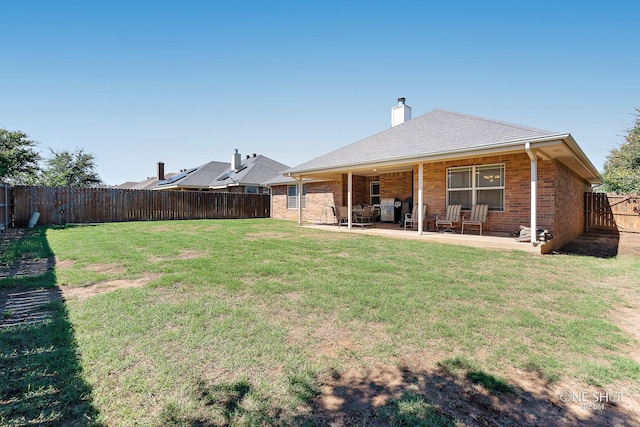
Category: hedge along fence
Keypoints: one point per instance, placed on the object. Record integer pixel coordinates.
(65, 205)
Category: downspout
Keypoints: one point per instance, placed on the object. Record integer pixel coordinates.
(534, 195)
(300, 200)
(420, 201)
(349, 197)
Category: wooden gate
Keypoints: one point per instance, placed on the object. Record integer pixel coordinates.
(612, 213)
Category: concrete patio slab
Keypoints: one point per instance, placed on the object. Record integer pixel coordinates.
(455, 238)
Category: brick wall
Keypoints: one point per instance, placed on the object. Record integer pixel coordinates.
(568, 221)
(397, 185)
(517, 189)
(320, 196)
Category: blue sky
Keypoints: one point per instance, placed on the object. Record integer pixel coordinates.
(137, 82)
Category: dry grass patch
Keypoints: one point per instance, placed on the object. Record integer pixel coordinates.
(84, 292)
(65, 263)
(252, 237)
(106, 268)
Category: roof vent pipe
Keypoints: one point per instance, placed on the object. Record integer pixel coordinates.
(400, 113)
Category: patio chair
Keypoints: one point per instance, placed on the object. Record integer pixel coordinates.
(412, 218)
(343, 215)
(451, 218)
(478, 216)
(365, 216)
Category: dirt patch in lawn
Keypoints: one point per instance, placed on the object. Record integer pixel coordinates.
(83, 292)
(105, 268)
(603, 245)
(185, 254)
(266, 235)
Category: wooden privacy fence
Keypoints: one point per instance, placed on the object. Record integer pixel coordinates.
(612, 213)
(65, 205)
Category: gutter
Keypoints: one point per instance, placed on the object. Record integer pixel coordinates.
(494, 148)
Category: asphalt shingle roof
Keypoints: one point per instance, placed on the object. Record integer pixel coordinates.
(258, 170)
(434, 133)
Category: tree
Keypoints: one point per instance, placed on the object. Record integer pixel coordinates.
(68, 169)
(622, 167)
(18, 159)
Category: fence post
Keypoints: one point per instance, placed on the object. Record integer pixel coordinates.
(4, 205)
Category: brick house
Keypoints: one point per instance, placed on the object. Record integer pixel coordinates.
(527, 176)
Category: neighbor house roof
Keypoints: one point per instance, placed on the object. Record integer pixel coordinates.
(253, 171)
(194, 178)
(143, 185)
(441, 135)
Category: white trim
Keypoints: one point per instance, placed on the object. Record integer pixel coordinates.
(498, 147)
(371, 195)
(474, 188)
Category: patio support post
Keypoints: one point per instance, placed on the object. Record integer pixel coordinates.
(534, 196)
(300, 200)
(420, 197)
(349, 197)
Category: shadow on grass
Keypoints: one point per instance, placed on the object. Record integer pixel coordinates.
(451, 396)
(239, 403)
(40, 375)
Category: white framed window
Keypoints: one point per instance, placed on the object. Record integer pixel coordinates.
(251, 190)
(374, 192)
(476, 185)
(292, 196)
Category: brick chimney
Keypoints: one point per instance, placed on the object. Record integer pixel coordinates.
(160, 171)
(400, 113)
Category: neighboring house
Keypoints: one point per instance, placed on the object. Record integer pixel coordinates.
(240, 176)
(527, 176)
(148, 183)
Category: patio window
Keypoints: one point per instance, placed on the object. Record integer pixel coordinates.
(471, 185)
(292, 196)
(375, 192)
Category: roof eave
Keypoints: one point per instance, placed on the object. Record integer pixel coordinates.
(498, 148)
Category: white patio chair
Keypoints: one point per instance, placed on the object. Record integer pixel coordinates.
(451, 218)
(478, 216)
(412, 218)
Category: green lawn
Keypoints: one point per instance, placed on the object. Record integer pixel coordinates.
(241, 322)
